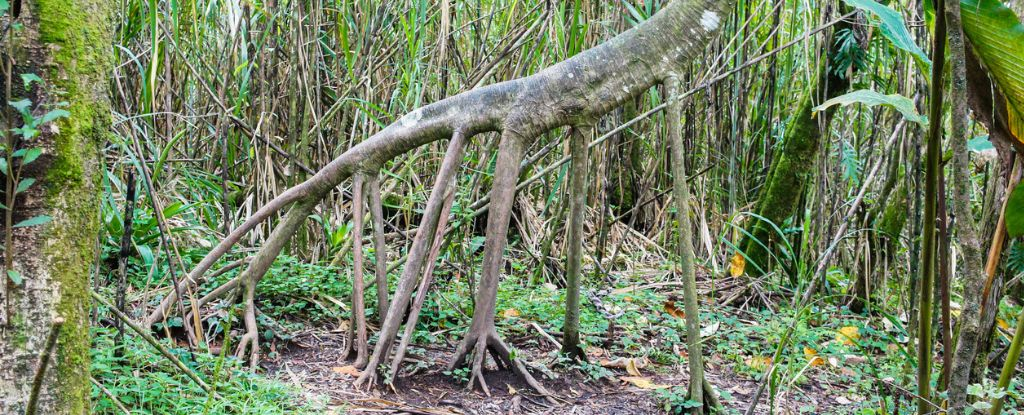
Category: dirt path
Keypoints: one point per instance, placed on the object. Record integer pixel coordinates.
(312, 363)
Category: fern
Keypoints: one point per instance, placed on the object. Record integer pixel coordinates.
(1015, 262)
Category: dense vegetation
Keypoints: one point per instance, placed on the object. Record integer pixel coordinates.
(838, 181)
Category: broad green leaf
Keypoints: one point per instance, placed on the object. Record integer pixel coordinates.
(38, 220)
(24, 184)
(871, 98)
(15, 277)
(979, 144)
(891, 24)
(3, 166)
(997, 37)
(29, 78)
(26, 131)
(31, 155)
(53, 115)
(4, 5)
(22, 106)
(1015, 212)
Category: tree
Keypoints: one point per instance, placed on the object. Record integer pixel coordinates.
(574, 92)
(55, 62)
(792, 167)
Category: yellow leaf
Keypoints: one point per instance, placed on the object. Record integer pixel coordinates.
(848, 335)
(631, 368)
(737, 264)
(759, 362)
(812, 357)
(1002, 324)
(643, 383)
(346, 370)
(670, 308)
(510, 313)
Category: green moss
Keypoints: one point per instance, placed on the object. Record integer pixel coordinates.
(791, 169)
(895, 216)
(78, 34)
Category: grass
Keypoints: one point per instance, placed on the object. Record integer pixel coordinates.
(144, 381)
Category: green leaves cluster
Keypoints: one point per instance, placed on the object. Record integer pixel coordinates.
(17, 151)
(892, 26)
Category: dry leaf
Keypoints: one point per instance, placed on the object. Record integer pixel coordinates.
(759, 362)
(670, 308)
(848, 335)
(737, 264)
(346, 370)
(643, 383)
(632, 366)
(1002, 324)
(853, 359)
(812, 357)
(510, 313)
(710, 329)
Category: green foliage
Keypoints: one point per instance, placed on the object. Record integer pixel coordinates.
(997, 36)
(675, 400)
(872, 98)
(892, 26)
(147, 383)
(849, 54)
(1015, 212)
(1015, 259)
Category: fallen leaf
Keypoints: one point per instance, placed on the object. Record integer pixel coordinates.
(643, 383)
(631, 365)
(737, 264)
(631, 368)
(759, 362)
(710, 329)
(670, 308)
(594, 351)
(853, 359)
(346, 370)
(812, 357)
(510, 313)
(848, 335)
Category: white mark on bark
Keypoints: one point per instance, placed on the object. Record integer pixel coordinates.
(709, 20)
(570, 75)
(411, 119)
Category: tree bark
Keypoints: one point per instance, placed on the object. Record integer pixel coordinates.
(966, 226)
(67, 43)
(793, 165)
(584, 87)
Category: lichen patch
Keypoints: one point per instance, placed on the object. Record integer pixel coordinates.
(709, 20)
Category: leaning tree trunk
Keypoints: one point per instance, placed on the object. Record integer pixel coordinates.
(573, 92)
(45, 320)
(792, 166)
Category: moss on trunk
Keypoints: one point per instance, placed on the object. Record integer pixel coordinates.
(792, 166)
(68, 43)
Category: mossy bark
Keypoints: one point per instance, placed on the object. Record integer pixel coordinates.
(67, 43)
(791, 169)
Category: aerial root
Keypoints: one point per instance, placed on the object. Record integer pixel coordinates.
(251, 337)
(357, 343)
(489, 342)
(436, 210)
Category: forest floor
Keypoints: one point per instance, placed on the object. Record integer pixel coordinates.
(311, 362)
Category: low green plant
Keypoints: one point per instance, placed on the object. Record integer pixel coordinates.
(146, 383)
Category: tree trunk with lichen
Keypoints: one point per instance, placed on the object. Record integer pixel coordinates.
(792, 167)
(67, 44)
